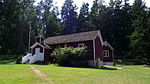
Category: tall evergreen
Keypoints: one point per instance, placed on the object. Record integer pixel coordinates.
(43, 11)
(69, 16)
(54, 26)
(26, 16)
(97, 14)
(83, 18)
(16, 16)
(140, 37)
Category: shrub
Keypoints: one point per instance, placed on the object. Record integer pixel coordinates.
(19, 60)
(64, 56)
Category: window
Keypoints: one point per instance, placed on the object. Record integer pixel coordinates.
(106, 53)
(81, 45)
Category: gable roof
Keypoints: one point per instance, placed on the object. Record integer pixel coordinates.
(42, 45)
(40, 36)
(83, 36)
(107, 44)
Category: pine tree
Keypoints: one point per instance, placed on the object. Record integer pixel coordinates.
(118, 26)
(15, 25)
(97, 14)
(83, 18)
(43, 11)
(25, 19)
(54, 26)
(9, 11)
(69, 16)
(140, 37)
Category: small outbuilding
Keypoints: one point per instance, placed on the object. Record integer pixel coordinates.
(108, 54)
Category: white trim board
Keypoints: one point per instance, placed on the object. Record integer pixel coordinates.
(35, 44)
(45, 46)
(100, 36)
(107, 44)
(94, 48)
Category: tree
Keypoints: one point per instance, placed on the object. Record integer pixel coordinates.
(54, 26)
(47, 16)
(121, 27)
(69, 16)
(14, 32)
(117, 26)
(83, 18)
(7, 25)
(43, 11)
(140, 37)
(97, 14)
(24, 21)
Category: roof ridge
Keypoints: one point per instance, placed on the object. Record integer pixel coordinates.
(82, 36)
(74, 33)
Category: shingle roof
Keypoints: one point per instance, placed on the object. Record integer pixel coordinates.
(107, 44)
(72, 37)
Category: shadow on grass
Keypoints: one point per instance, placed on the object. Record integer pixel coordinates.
(88, 67)
(108, 68)
(84, 67)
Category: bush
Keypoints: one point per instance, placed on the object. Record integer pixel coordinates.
(64, 56)
(19, 60)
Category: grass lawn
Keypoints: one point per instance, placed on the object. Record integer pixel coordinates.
(22, 74)
(18, 74)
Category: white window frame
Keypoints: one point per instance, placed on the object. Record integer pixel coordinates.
(81, 45)
(106, 53)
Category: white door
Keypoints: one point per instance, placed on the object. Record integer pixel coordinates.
(37, 50)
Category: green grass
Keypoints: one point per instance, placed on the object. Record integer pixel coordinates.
(7, 61)
(132, 74)
(22, 74)
(18, 74)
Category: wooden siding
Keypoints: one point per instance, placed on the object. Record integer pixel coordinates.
(47, 55)
(110, 58)
(89, 44)
(98, 49)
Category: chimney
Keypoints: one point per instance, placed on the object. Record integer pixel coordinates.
(39, 39)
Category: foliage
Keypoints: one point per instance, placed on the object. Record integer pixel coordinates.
(64, 56)
(69, 16)
(53, 26)
(19, 60)
(140, 38)
(84, 22)
(124, 26)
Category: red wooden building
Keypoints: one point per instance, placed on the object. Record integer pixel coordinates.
(108, 56)
(102, 52)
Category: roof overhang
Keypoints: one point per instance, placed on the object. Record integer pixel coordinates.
(43, 46)
(107, 44)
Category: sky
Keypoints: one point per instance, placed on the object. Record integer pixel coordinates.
(78, 3)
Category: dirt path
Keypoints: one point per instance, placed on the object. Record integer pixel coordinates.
(40, 73)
